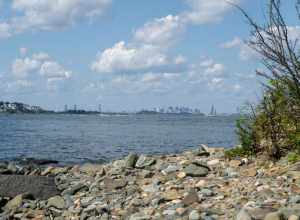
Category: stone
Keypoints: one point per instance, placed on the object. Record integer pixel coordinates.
(293, 217)
(170, 169)
(140, 216)
(181, 175)
(92, 169)
(190, 198)
(39, 187)
(171, 195)
(114, 183)
(201, 151)
(251, 172)
(56, 202)
(195, 171)
(235, 163)
(213, 162)
(194, 215)
(14, 203)
(207, 192)
(243, 215)
(274, 216)
(131, 160)
(144, 162)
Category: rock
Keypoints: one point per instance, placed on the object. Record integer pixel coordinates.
(195, 171)
(14, 203)
(293, 217)
(140, 216)
(201, 151)
(171, 195)
(144, 162)
(194, 215)
(131, 160)
(251, 172)
(235, 163)
(39, 187)
(190, 198)
(92, 169)
(114, 183)
(56, 202)
(274, 216)
(213, 162)
(181, 175)
(170, 169)
(207, 192)
(74, 189)
(243, 215)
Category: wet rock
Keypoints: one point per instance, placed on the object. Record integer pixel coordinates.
(195, 171)
(39, 187)
(144, 162)
(131, 160)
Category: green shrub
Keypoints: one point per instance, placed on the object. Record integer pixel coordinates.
(293, 157)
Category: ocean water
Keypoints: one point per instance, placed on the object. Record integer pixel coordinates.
(83, 138)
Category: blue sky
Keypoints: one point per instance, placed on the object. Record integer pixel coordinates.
(129, 55)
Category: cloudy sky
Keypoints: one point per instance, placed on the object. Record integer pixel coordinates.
(129, 54)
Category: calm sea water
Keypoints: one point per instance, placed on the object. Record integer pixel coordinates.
(82, 138)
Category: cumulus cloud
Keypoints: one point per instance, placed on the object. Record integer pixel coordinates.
(127, 58)
(50, 14)
(39, 64)
(160, 31)
(5, 30)
(56, 14)
(203, 11)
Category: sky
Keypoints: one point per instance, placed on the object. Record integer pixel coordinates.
(129, 55)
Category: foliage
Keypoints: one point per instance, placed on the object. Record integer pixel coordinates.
(293, 157)
(274, 125)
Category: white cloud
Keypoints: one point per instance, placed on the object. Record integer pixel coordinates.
(179, 60)
(127, 58)
(21, 68)
(41, 64)
(160, 31)
(207, 11)
(53, 70)
(55, 14)
(235, 42)
(5, 30)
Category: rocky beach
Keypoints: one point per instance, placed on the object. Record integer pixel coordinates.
(197, 184)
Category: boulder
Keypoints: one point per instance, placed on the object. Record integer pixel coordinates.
(144, 162)
(195, 171)
(56, 202)
(131, 160)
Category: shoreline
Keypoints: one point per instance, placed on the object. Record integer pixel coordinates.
(195, 184)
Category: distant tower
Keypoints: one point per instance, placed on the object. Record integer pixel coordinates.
(100, 108)
(212, 111)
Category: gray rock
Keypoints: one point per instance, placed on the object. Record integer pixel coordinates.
(139, 216)
(56, 202)
(243, 215)
(171, 169)
(194, 215)
(195, 171)
(144, 162)
(201, 151)
(114, 183)
(207, 192)
(39, 187)
(131, 160)
(274, 216)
